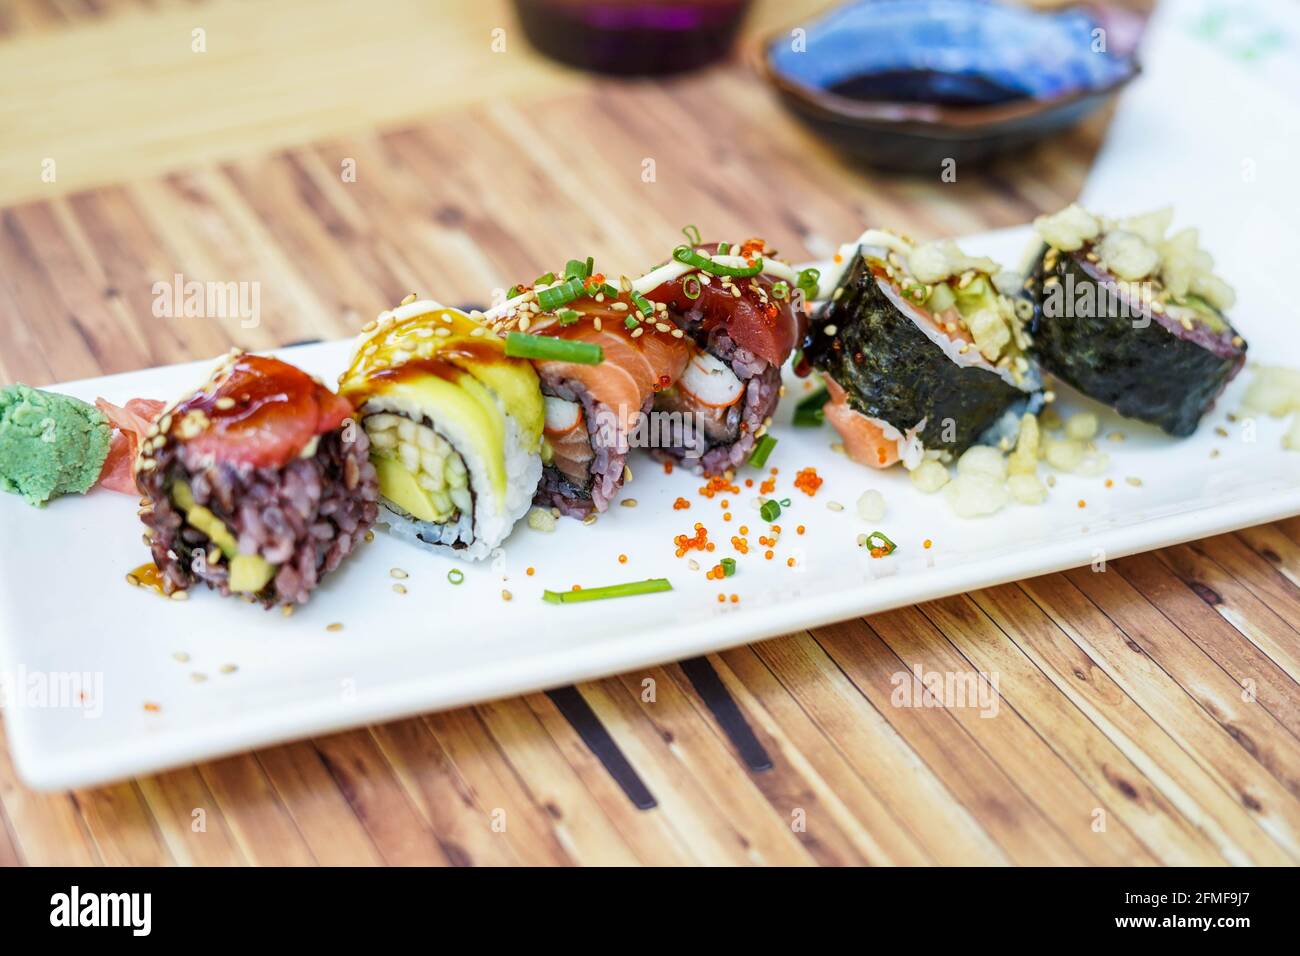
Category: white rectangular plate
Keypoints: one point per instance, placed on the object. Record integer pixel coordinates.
(65, 608)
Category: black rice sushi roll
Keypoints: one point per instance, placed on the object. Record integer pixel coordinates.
(740, 310)
(1131, 317)
(258, 484)
(921, 354)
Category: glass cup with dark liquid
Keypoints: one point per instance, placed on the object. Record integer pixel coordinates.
(632, 37)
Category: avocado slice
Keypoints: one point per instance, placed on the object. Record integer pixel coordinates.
(401, 488)
(249, 573)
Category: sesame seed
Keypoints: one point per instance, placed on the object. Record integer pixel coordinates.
(1135, 482)
(398, 573)
(590, 519)
(198, 677)
(181, 656)
(335, 627)
(180, 595)
(229, 668)
(834, 506)
(399, 588)
(506, 595)
(628, 502)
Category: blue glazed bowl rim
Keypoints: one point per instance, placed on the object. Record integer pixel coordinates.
(934, 117)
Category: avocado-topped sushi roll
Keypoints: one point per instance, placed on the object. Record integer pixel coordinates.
(600, 368)
(1132, 317)
(921, 353)
(740, 309)
(257, 484)
(455, 427)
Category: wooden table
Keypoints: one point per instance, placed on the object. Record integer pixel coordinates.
(1149, 714)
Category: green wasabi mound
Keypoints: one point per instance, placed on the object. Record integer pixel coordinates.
(50, 444)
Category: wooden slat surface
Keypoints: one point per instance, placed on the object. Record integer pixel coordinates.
(1148, 714)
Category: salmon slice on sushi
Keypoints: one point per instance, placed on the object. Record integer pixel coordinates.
(922, 351)
(741, 310)
(258, 484)
(601, 361)
(1133, 317)
(454, 425)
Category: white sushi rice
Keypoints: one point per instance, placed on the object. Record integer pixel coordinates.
(473, 532)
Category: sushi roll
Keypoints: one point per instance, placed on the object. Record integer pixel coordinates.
(454, 425)
(601, 361)
(1132, 317)
(921, 354)
(257, 484)
(741, 310)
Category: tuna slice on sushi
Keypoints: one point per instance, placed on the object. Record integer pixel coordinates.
(1132, 317)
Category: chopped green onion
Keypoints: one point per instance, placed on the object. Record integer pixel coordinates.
(643, 305)
(688, 256)
(568, 316)
(514, 290)
(561, 294)
(762, 450)
(770, 511)
(808, 282)
(724, 248)
(692, 234)
(728, 567)
(811, 412)
(651, 586)
(577, 269)
(548, 348)
(785, 502)
(781, 290)
(598, 288)
(545, 278)
(691, 287)
(456, 576)
(887, 546)
(631, 322)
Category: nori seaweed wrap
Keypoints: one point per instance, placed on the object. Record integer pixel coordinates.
(1132, 319)
(920, 352)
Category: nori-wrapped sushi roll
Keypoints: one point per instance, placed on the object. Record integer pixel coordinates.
(1132, 318)
(922, 355)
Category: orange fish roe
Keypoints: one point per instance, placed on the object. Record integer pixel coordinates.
(717, 485)
(749, 482)
(726, 516)
(735, 599)
(879, 552)
(926, 543)
(725, 504)
(530, 572)
(681, 504)
(1110, 483)
(1082, 503)
(789, 562)
(776, 471)
(776, 529)
(668, 467)
(722, 598)
(577, 587)
(716, 573)
(622, 559)
(800, 530)
(768, 486)
(768, 555)
(699, 542)
(807, 481)
(744, 529)
(740, 544)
